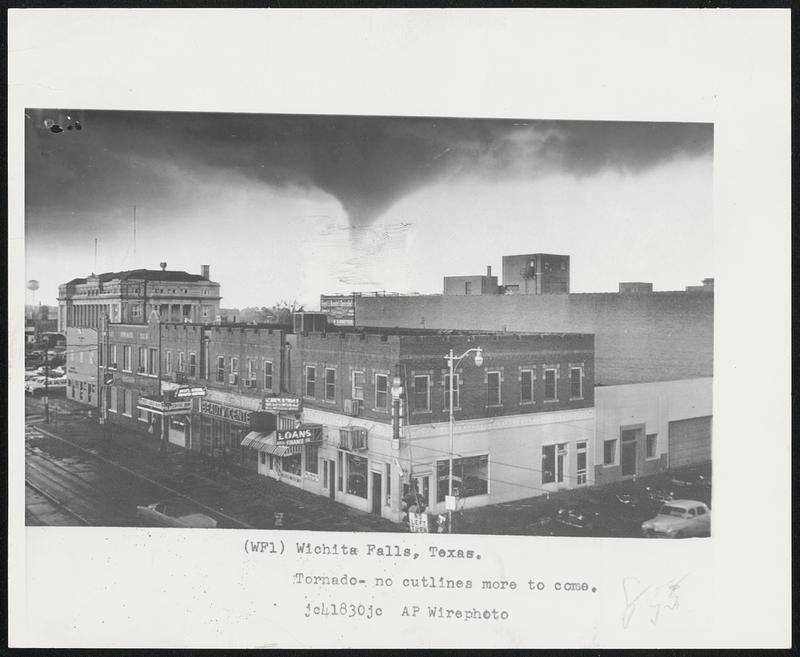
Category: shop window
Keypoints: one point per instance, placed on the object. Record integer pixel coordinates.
(456, 390)
(576, 382)
(358, 386)
(143, 415)
(291, 464)
(312, 459)
(470, 477)
(550, 384)
(652, 440)
(268, 375)
(580, 474)
(311, 381)
(381, 391)
(609, 452)
(192, 365)
(357, 475)
(220, 369)
(553, 463)
(168, 362)
(526, 386)
(493, 389)
(422, 393)
(330, 384)
(126, 358)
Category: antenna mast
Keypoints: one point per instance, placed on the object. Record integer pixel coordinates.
(134, 234)
(95, 254)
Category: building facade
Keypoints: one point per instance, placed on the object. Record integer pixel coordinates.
(131, 296)
(82, 365)
(363, 417)
(536, 273)
(469, 285)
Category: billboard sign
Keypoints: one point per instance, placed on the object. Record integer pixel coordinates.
(283, 403)
(300, 435)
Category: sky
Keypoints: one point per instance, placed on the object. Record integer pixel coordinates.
(288, 207)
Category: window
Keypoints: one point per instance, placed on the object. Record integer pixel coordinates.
(251, 369)
(142, 359)
(311, 381)
(652, 440)
(192, 364)
(312, 459)
(526, 386)
(291, 464)
(182, 362)
(126, 358)
(100, 354)
(340, 471)
(456, 390)
(234, 370)
(381, 391)
(468, 287)
(358, 386)
(576, 383)
(609, 452)
(113, 358)
(581, 463)
(152, 361)
(357, 475)
(263, 458)
(352, 438)
(470, 477)
(330, 384)
(268, 374)
(122, 398)
(422, 393)
(553, 463)
(220, 369)
(493, 388)
(144, 416)
(169, 362)
(550, 384)
(89, 391)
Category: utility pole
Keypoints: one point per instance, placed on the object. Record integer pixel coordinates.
(46, 382)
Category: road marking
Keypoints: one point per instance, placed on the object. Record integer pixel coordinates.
(147, 479)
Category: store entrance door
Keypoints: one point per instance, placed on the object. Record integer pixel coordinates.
(332, 479)
(628, 456)
(376, 492)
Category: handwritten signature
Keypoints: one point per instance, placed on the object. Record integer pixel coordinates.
(656, 598)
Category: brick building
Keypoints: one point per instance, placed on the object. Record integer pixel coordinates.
(523, 420)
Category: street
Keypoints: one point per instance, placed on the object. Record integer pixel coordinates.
(75, 475)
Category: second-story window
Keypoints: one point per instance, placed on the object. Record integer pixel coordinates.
(168, 362)
(112, 358)
(550, 384)
(381, 391)
(576, 383)
(181, 362)
(358, 385)
(526, 386)
(422, 393)
(311, 381)
(493, 389)
(330, 384)
(251, 370)
(126, 358)
(152, 361)
(142, 359)
(220, 369)
(192, 365)
(234, 379)
(268, 375)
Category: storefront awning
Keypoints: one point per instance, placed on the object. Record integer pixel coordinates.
(265, 442)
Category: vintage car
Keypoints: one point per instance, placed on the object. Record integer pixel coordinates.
(679, 519)
(159, 513)
(36, 386)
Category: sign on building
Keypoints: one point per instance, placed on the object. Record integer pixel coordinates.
(226, 412)
(195, 391)
(161, 407)
(305, 433)
(284, 403)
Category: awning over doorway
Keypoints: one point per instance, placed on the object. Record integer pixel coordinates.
(266, 442)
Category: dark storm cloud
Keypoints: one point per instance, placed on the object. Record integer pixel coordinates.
(367, 163)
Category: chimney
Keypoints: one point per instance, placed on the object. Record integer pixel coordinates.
(205, 272)
(488, 270)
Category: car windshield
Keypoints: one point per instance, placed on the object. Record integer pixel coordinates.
(672, 511)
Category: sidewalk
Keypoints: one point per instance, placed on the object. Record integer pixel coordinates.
(247, 496)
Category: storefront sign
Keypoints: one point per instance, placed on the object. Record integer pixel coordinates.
(305, 433)
(282, 404)
(225, 412)
(164, 408)
(196, 391)
(418, 523)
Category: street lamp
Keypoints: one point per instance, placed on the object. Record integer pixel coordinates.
(454, 361)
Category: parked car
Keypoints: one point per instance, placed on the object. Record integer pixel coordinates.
(159, 513)
(577, 515)
(54, 386)
(679, 519)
